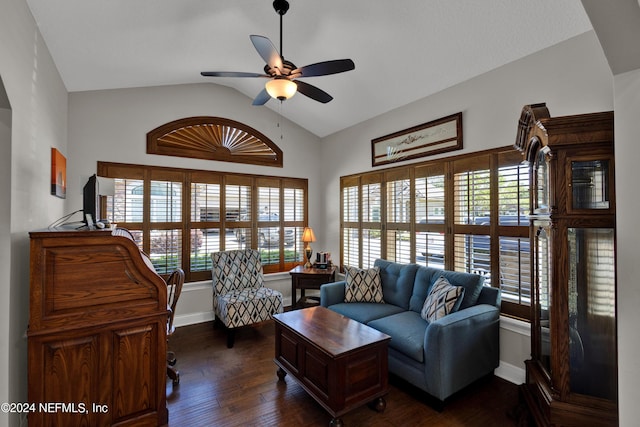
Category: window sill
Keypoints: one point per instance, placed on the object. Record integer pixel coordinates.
(514, 325)
(272, 277)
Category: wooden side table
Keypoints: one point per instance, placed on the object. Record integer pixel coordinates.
(308, 278)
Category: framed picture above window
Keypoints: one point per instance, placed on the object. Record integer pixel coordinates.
(438, 136)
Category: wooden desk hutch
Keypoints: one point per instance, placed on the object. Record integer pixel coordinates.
(572, 374)
(97, 332)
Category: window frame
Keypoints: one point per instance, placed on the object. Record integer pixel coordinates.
(447, 167)
(188, 224)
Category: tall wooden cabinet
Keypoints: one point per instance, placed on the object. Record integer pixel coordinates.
(572, 374)
(97, 332)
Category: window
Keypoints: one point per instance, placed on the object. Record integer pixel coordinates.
(465, 213)
(472, 216)
(179, 217)
(514, 254)
(429, 202)
(361, 220)
(214, 138)
(398, 219)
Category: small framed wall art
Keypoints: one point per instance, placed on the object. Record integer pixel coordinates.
(438, 136)
(58, 174)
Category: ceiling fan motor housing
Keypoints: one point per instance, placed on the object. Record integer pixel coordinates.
(287, 68)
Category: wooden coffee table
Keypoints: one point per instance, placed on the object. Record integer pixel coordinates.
(341, 363)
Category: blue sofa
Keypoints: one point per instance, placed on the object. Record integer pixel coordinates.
(440, 357)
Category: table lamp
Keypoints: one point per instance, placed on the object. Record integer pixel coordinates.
(307, 237)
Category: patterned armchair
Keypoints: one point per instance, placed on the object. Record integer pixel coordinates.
(239, 295)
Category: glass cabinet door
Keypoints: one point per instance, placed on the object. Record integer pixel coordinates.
(543, 301)
(592, 322)
(589, 183)
(541, 184)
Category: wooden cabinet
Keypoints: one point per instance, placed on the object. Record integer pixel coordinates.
(572, 374)
(97, 332)
(341, 363)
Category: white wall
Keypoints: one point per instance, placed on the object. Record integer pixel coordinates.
(572, 77)
(5, 231)
(111, 125)
(38, 102)
(627, 112)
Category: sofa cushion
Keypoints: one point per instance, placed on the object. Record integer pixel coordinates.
(472, 284)
(363, 285)
(426, 277)
(364, 312)
(397, 282)
(406, 330)
(443, 299)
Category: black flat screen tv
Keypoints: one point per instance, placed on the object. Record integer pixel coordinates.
(91, 200)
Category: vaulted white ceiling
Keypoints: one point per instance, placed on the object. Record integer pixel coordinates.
(403, 50)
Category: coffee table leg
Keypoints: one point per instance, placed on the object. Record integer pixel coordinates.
(281, 374)
(336, 422)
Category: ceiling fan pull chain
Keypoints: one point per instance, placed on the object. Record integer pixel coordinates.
(280, 120)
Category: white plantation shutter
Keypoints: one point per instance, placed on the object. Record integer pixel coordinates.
(238, 214)
(294, 221)
(269, 225)
(399, 204)
(350, 247)
(472, 217)
(164, 199)
(361, 221)
(126, 203)
(513, 230)
(350, 223)
(371, 223)
(205, 216)
(429, 205)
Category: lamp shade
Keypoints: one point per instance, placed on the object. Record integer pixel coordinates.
(308, 236)
(281, 88)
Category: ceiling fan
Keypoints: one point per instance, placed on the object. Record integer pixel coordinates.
(283, 75)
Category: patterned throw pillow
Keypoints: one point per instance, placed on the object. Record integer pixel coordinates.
(443, 299)
(363, 285)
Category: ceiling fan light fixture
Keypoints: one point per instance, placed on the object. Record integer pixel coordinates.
(281, 89)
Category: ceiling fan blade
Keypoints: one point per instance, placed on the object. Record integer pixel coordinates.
(313, 92)
(231, 74)
(262, 98)
(325, 68)
(267, 51)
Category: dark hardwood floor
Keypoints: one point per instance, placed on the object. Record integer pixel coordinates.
(239, 387)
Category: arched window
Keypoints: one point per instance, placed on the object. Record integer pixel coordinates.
(214, 138)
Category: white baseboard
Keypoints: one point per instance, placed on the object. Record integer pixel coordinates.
(511, 373)
(193, 318)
